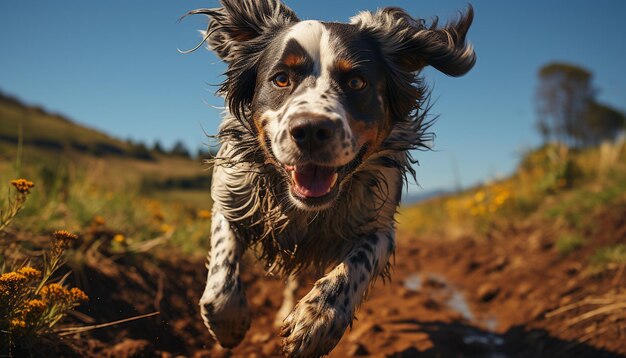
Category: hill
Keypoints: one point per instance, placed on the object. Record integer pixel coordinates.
(52, 132)
(52, 140)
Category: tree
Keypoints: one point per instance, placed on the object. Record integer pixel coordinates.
(157, 147)
(179, 149)
(564, 96)
(568, 111)
(603, 122)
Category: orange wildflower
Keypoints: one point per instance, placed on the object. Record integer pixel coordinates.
(22, 185)
(12, 279)
(54, 292)
(76, 295)
(62, 240)
(29, 272)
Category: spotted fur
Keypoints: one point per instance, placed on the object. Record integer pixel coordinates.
(356, 91)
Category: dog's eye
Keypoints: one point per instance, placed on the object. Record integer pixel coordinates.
(357, 83)
(281, 80)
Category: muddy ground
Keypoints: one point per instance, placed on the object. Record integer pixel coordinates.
(489, 296)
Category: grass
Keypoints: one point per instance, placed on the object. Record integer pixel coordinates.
(113, 215)
(608, 257)
(567, 243)
(551, 183)
(51, 131)
(569, 194)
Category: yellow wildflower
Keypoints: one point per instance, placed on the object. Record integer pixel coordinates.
(119, 238)
(62, 240)
(204, 214)
(15, 323)
(12, 279)
(98, 220)
(54, 292)
(29, 272)
(22, 185)
(479, 196)
(76, 295)
(35, 306)
(165, 228)
(64, 235)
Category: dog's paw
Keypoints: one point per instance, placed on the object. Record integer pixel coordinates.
(226, 316)
(313, 329)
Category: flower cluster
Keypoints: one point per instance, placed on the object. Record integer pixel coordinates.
(22, 185)
(16, 202)
(10, 283)
(55, 292)
(29, 272)
(488, 201)
(31, 303)
(62, 240)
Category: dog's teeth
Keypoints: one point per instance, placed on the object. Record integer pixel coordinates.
(332, 184)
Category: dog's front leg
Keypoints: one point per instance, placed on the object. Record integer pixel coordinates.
(320, 319)
(223, 305)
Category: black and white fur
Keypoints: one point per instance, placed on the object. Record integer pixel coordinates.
(344, 101)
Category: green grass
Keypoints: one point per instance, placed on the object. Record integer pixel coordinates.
(141, 200)
(606, 257)
(52, 132)
(567, 243)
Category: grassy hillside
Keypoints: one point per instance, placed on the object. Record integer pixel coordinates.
(44, 130)
(83, 177)
(566, 194)
(31, 137)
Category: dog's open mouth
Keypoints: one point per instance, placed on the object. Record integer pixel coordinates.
(316, 185)
(311, 180)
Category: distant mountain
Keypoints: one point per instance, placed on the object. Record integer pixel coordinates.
(414, 198)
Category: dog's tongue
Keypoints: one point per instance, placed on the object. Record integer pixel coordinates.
(313, 181)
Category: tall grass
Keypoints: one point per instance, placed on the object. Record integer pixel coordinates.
(76, 198)
(553, 187)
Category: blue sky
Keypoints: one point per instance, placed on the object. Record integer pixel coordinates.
(113, 65)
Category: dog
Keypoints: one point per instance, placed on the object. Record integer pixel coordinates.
(314, 152)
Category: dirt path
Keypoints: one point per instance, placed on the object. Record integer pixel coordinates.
(462, 298)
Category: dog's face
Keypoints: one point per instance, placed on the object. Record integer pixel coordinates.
(322, 97)
(319, 105)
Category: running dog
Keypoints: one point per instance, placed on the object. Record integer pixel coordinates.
(315, 150)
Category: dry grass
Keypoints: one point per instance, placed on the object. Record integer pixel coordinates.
(594, 313)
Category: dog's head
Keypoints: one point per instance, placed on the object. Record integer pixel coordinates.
(322, 97)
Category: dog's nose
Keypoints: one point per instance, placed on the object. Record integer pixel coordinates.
(311, 132)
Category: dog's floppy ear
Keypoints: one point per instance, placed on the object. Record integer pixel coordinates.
(239, 22)
(412, 45)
